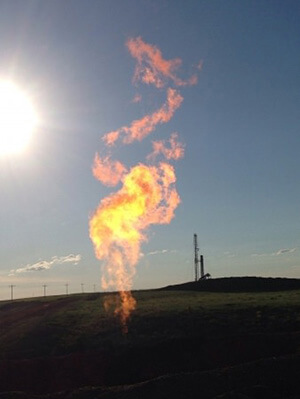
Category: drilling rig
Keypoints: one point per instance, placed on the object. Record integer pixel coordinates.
(198, 262)
(196, 259)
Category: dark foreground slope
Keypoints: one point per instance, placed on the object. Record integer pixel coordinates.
(239, 284)
(271, 378)
(178, 343)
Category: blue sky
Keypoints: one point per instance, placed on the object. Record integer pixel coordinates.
(238, 181)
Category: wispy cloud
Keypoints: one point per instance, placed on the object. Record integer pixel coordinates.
(47, 264)
(277, 253)
(162, 251)
(229, 254)
(285, 251)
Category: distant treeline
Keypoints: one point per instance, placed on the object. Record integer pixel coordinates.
(239, 284)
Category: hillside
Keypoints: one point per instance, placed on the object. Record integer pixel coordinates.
(178, 342)
(238, 284)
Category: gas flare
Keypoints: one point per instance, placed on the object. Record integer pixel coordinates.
(118, 225)
(107, 171)
(148, 195)
(140, 128)
(175, 151)
(152, 68)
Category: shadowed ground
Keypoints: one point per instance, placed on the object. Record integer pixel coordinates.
(179, 342)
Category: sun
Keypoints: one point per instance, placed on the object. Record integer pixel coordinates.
(17, 119)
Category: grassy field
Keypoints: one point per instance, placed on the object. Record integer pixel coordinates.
(68, 323)
(63, 342)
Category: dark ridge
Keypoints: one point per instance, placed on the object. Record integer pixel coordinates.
(238, 284)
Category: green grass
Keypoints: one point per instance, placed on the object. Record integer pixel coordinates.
(63, 324)
(64, 342)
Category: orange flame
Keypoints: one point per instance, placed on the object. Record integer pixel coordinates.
(107, 171)
(148, 195)
(152, 68)
(140, 128)
(118, 225)
(176, 150)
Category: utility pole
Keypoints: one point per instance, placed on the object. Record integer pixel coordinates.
(67, 289)
(196, 258)
(94, 287)
(45, 286)
(82, 287)
(11, 292)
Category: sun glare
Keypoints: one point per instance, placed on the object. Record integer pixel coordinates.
(17, 119)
